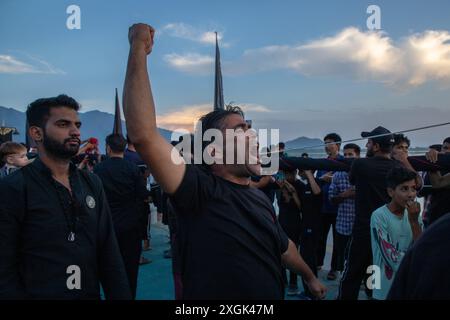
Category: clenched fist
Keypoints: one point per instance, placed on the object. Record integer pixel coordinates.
(141, 35)
(413, 208)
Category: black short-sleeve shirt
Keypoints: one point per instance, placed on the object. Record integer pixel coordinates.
(369, 177)
(230, 241)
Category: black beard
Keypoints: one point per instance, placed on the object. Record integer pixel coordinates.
(369, 153)
(59, 150)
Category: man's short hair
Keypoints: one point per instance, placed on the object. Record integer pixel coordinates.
(446, 140)
(400, 138)
(116, 142)
(281, 145)
(215, 120)
(399, 175)
(9, 147)
(38, 111)
(353, 146)
(334, 137)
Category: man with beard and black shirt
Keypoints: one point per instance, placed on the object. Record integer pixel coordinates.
(231, 245)
(369, 178)
(56, 235)
(440, 194)
(126, 191)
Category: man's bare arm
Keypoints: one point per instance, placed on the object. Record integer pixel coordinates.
(294, 261)
(439, 181)
(166, 166)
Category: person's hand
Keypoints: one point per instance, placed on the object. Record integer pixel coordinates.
(317, 288)
(308, 173)
(401, 156)
(289, 187)
(432, 155)
(83, 163)
(327, 177)
(141, 35)
(413, 208)
(349, 193)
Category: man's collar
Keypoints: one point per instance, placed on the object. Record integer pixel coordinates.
(38, 164)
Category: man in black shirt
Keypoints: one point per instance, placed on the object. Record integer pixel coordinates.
(369, 177)
(56, 235)
(311, 205)
(232, 245)
(439, 204)
(125, 190)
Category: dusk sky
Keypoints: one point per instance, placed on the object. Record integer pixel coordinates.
(305, 67)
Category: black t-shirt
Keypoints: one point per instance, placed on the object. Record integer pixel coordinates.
(229, 239)
(369, 177)
(290, 216)
(125, 190)
(424, 271)
(440, 203)
(311, 205)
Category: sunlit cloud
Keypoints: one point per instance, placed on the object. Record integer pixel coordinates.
(351, 53)
(186, 117)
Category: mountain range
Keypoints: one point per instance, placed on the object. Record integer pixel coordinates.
(95, 123)
(99, 124)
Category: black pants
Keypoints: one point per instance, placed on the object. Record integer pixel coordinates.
(342, 242)
(309, 240)
(327, 220)
(131, 248)
(359, 258)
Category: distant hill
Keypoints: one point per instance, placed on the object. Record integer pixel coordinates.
(95, 124)
(303, 142)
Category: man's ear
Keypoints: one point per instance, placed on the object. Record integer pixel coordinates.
(36, 133)
(376, 147)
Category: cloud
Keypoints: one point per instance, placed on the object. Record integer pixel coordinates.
(429, 52)
(185, 117)
(352, 53)
(190, 63)
(188, 32)
(13, 65)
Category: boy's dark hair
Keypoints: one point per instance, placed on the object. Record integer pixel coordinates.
(9, 147)
(116, 142)
(353, 146)
(38, 111)
(334, 137)
(399, 138)
(446, 140)
(399, 175)
(305, 155)
(281, 145)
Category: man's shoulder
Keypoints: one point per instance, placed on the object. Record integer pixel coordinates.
(380, 213)
(14, 180)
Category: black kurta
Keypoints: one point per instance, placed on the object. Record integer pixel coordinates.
(35, 221)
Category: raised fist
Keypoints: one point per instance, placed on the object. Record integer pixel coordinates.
(141, 35)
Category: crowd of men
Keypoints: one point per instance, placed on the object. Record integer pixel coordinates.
(72, 221)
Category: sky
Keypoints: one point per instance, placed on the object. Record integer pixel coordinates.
(306, 68)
